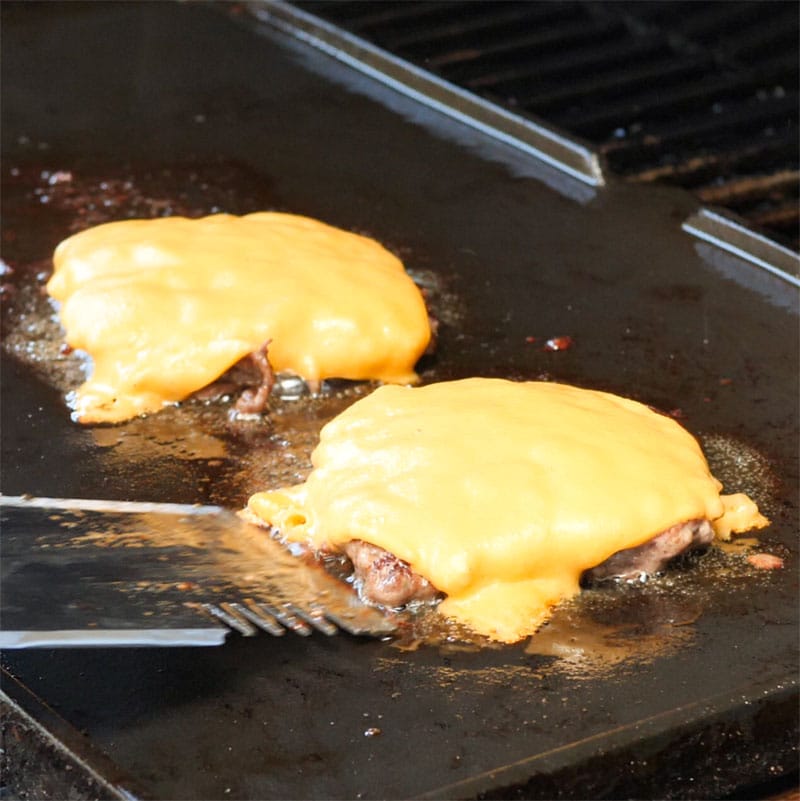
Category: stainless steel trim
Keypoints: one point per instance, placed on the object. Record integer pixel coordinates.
(535, 139)
(95, 505)
(739, 240)
(105, 638)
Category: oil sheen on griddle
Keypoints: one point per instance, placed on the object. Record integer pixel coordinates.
(236, 456)
(44, 203)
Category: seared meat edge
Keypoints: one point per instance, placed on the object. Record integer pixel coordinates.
(381, 578)
(252, 376)
(652, 556)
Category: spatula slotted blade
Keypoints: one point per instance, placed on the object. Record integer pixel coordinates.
(81, 572)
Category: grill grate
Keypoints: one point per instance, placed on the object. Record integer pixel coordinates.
(702, 95)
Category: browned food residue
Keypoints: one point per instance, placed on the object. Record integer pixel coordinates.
(558, 343)
(765, 561)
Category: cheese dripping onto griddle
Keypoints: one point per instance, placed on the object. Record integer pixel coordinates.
(501, 493)
(165, 306)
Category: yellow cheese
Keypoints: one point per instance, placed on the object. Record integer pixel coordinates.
(500, 493)
(166, 306)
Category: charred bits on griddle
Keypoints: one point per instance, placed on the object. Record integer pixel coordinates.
(564, 342)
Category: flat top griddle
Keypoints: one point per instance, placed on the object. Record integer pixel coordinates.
(682, 688)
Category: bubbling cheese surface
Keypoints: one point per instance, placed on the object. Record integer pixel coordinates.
(165, 306)
(501, 493)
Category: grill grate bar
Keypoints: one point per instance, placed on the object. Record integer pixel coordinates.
(783, 217)
(740, 35)
(363, 17)
(738, 122)
(702, 169)
(605, 51)
(754, 45)
(408, 22)
(606, 86)
(751, 187)
(476, 28)
(610, 116)
(781, 71)
(503, 59)
(666, 90)
(704, 22)
(712, 23)
(768, 201)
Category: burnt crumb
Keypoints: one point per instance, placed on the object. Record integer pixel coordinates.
(564, 342)
(765, 561)
(558, 343)
(6, 290)
(87, 196)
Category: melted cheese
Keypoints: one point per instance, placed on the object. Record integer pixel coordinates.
(501, 493)
(166, 306)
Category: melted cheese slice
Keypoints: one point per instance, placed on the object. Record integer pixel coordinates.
(501, 493)
(166, 306)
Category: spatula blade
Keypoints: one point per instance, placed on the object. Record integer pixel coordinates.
(86, 572)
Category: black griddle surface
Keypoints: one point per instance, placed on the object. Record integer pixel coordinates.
(702, 696)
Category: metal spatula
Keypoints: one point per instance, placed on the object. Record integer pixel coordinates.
(83, 572)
